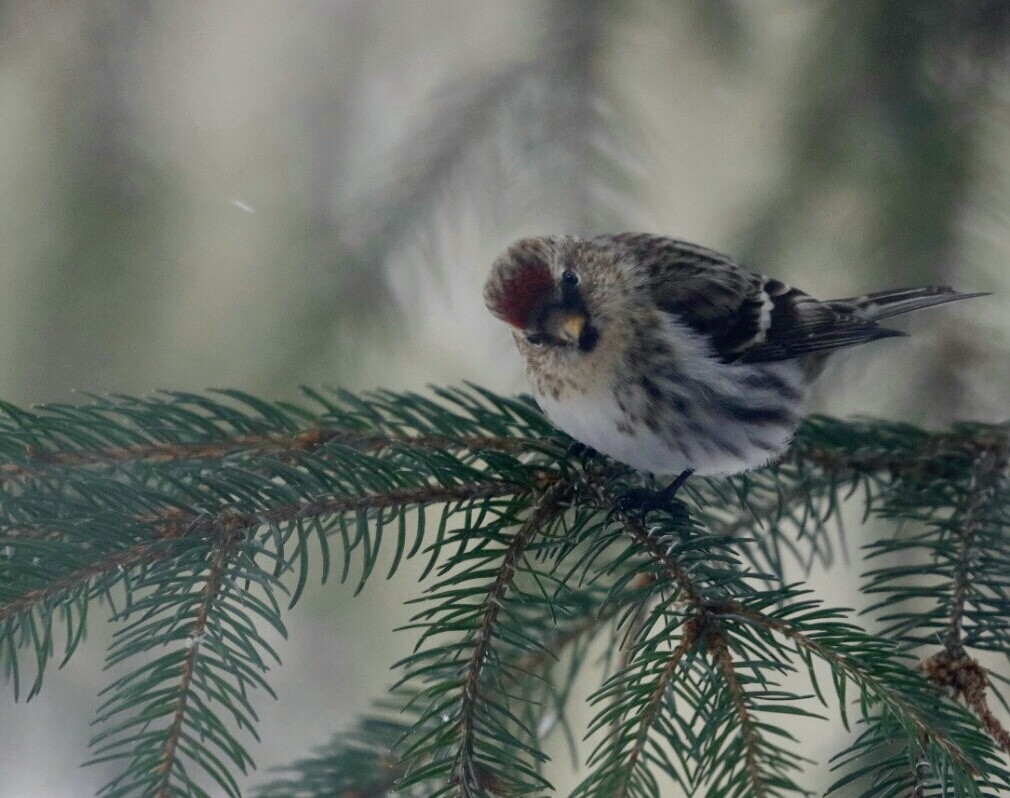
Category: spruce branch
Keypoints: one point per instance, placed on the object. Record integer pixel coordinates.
(953, 667)
(80, 578)
(174, 525)
(227, 536)
(37, 462)
(855, 660)
(687, 641)
(129, 502)
(470, 776)
(987, 468)
(751, 739)
(855, 670)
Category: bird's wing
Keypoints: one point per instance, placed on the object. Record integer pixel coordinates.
(748, 317)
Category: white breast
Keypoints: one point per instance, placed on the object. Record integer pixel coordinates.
(596, 420)
(689, 410)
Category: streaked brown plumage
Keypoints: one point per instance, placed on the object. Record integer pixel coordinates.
(669, 356)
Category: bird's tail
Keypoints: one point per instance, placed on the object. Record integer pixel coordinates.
(884, 304)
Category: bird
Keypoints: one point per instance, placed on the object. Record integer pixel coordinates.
(670, 357)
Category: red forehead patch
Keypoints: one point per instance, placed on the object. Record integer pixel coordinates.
(522, 291)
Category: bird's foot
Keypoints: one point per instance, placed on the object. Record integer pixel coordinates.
(639, 502)
(584, 454)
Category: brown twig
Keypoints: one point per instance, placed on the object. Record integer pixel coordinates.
(925, 461)
(985, 477)
(850, 668)
(271, 443)
(980, 492)
(177, 524)
(227, 536)
(651, 710)
(636, 529)
(751, 739)
(548, 506)
(952, 667)
(136, 555)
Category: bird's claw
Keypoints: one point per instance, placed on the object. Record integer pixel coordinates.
(584, 454)
(639, 502)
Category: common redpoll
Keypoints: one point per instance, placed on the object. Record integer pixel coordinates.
(671, 357)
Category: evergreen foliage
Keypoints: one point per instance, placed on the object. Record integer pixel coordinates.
(198, 520)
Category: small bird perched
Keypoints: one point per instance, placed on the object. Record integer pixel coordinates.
(671, 357)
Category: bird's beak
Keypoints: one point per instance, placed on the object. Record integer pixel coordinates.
(571, 326)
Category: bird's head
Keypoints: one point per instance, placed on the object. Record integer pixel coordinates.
(549, 289)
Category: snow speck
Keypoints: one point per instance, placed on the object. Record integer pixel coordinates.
(243, 205)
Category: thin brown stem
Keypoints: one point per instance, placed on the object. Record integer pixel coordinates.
(852, 670)
(980, 491)
(174, 525)
(751, 739)
(953, 667)
(426, 494)
(226, 539)
(651, 710)
(636, 529)
(926, 461)
(136, 555)
(547, 507)
(272, 443)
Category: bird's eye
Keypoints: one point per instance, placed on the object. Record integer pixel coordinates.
(535, 338)
(568, 277)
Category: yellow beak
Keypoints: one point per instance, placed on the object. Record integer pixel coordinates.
(571, 326)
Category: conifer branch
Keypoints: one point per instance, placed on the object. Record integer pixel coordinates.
(37, 462)
(858, 674)
(405, 497)
(651, 711)
(467, 772)
(982, 484)
(751, 738)
(175, 525)
(853, 670)
(913, 452)
(953, 667)
(227, 536)
(136, 555)
(134, 498)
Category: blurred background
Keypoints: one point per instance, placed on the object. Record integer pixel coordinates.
(258, 194)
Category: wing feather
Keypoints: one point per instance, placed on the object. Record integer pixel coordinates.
(748, 317)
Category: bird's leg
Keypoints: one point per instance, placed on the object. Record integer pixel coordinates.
(642, 501)
(585, 454)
